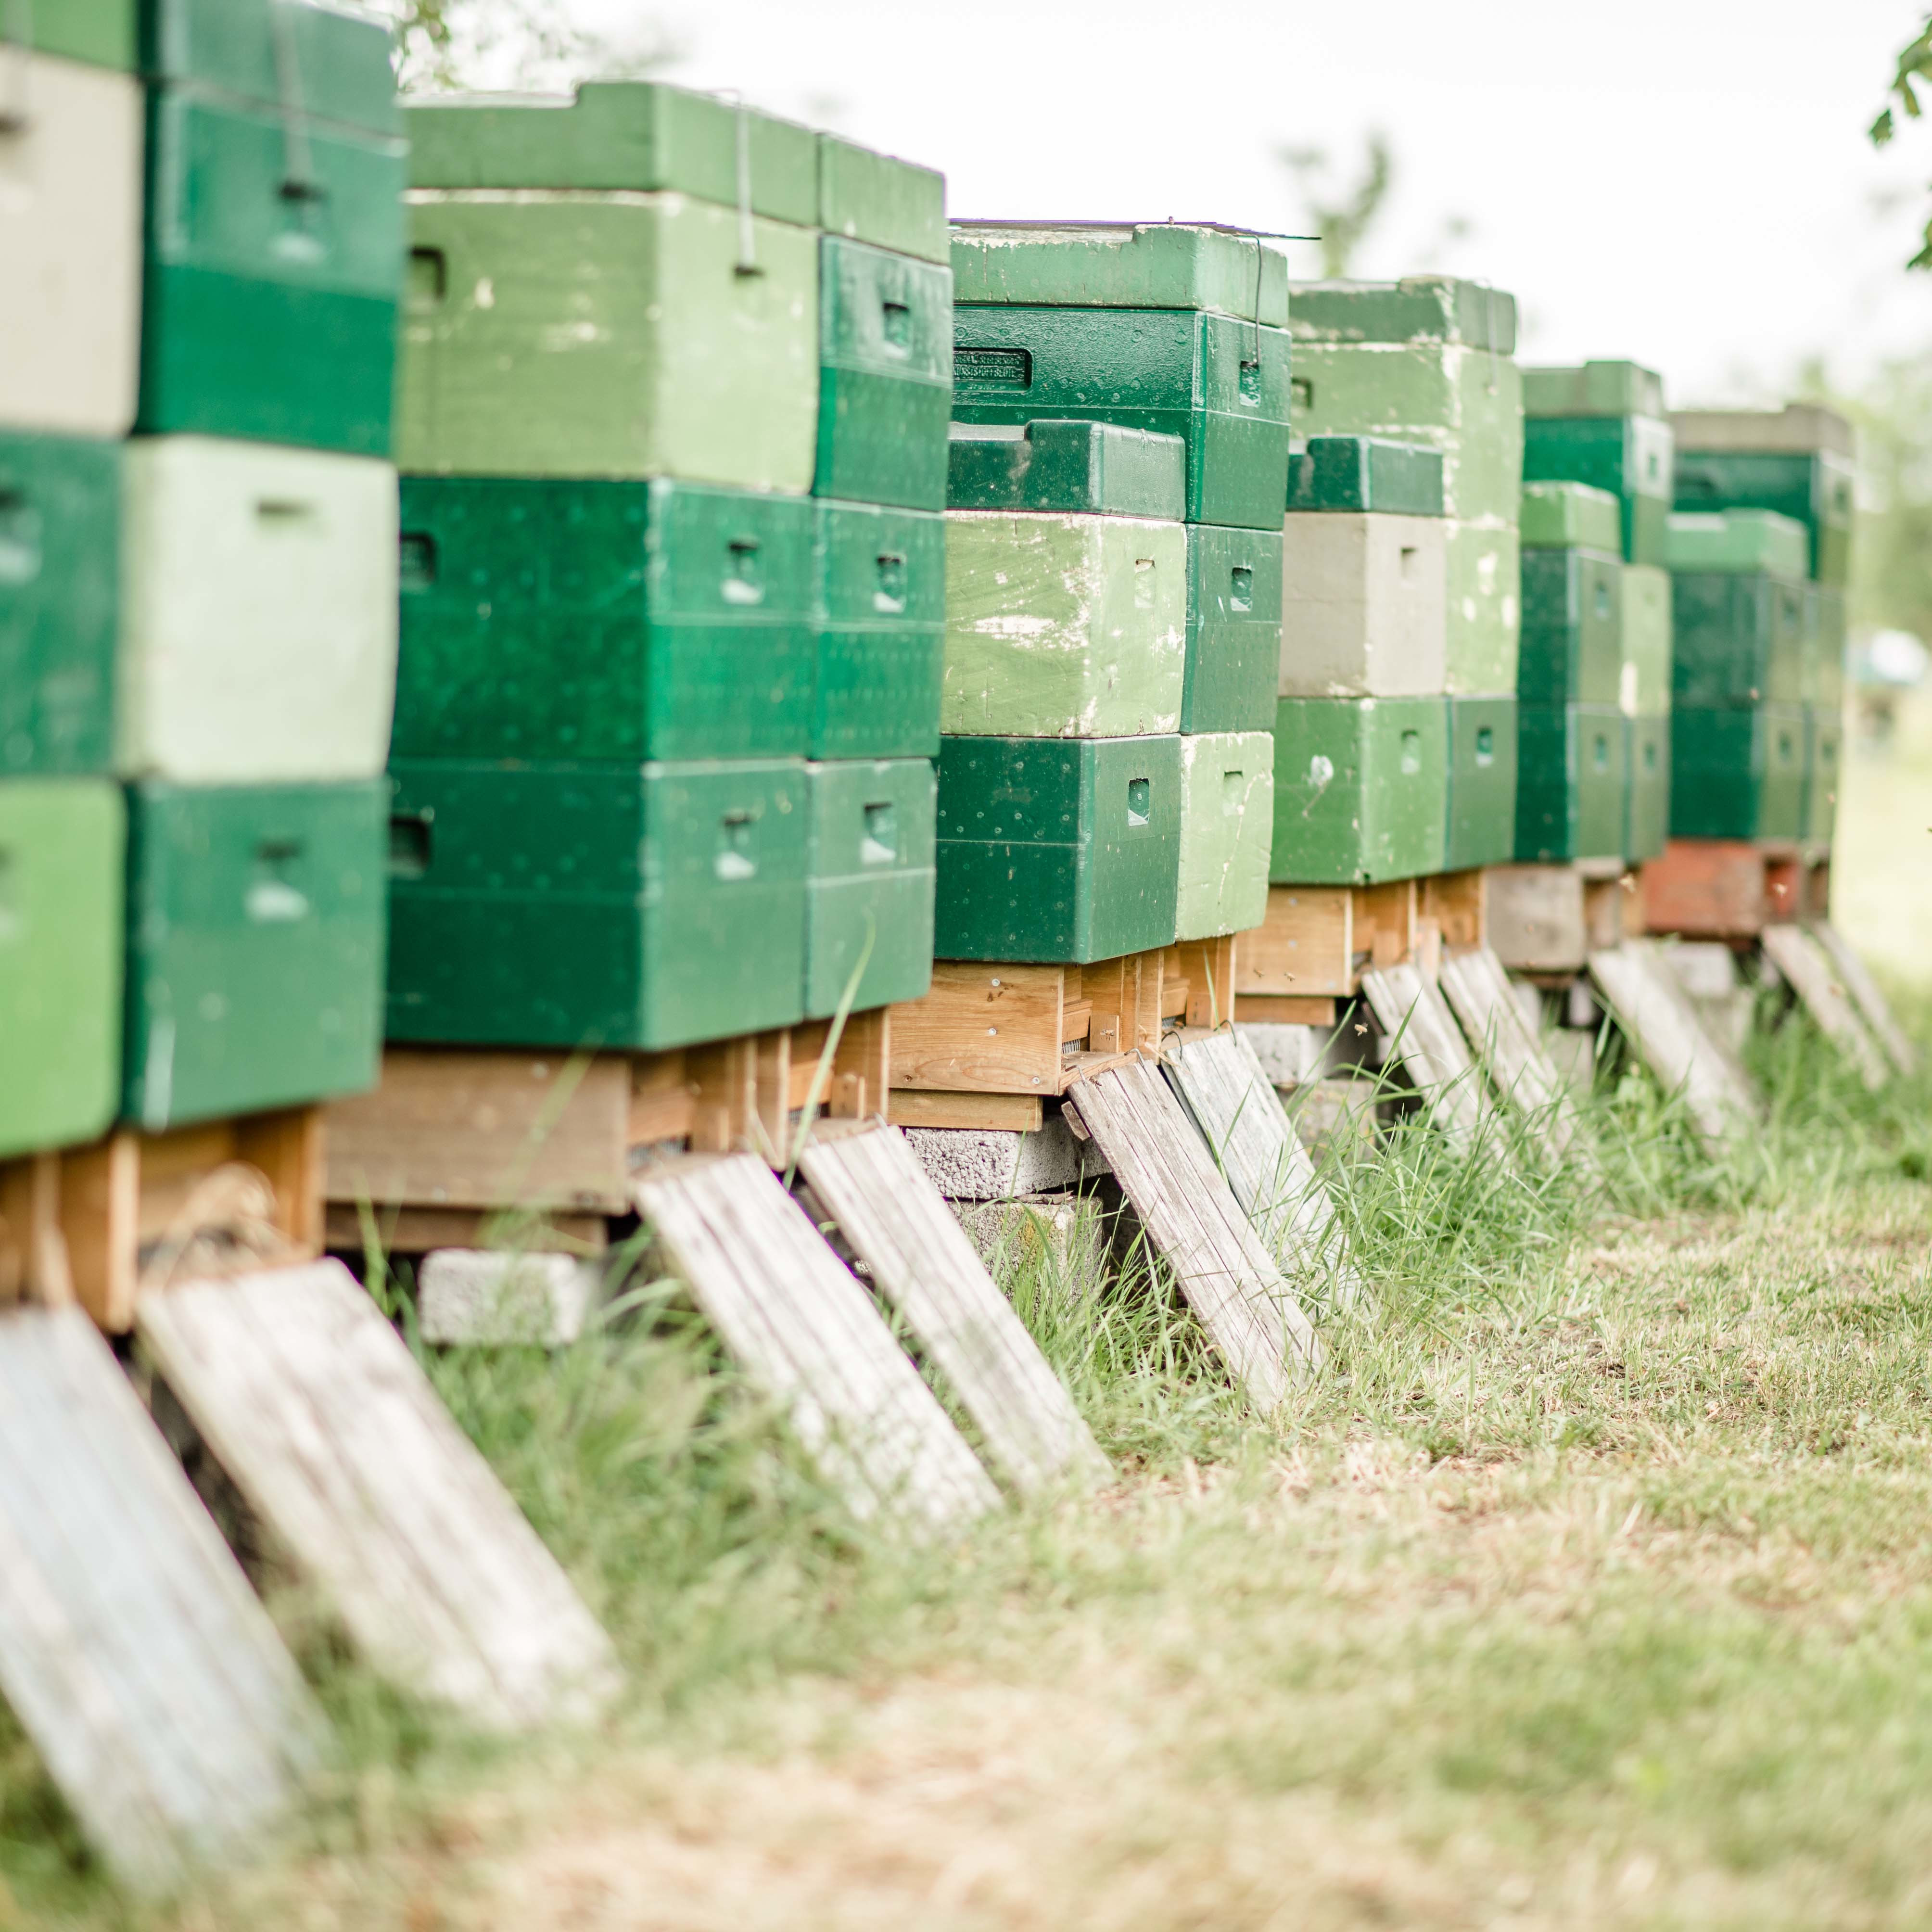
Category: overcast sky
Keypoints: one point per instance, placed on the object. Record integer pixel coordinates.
(1683, 182)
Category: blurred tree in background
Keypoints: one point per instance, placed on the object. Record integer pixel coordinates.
(1340, 213)
(1915, 65)
(526, 45)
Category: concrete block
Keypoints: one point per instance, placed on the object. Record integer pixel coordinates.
(1290, 1056)
(1707, 969)
(1329, 1114)
(1063, 1230)
(475, 1297)
(1364, 605)
(993, 1164)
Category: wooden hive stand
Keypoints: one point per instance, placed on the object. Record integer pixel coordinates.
(1730, 890)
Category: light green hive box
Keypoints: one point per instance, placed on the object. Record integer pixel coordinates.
(1484, 566)
(596, 335)
(63, 890)
(1063, 626)
(1120, 264)
(1739, 540)
(1570, 516)
(1822, 673)
(877, 198)
(1644, 690)
(1227, 830)
(258, 612)
(1593, 389)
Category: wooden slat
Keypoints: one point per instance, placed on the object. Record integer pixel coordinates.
(1477, 990)
(33, 1251)
(1385, 921)
(908, 1107)
(981, 1030)
(1653, 1009)
(1858, 981)
(1815, 978)
(1227, 1275)
(416, 1231)
(132, 1648)
(1268, 1008)
(870, 1182)
(1424, 1036)
(801, 1325)
(323, 1420)
(1458, 903)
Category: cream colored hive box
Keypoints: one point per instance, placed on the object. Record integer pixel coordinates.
(1364, 605)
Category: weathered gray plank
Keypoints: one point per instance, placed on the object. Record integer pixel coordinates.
(1814, 977)
(793, 1314)
(872, 1184)
(321, 1418)
(1229, 1277)
(132, 1648)
(1652, 1008)
(1422, 1033)
(1857, 980)
(1479, 993)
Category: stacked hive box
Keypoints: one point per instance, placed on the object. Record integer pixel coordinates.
(665, 718)
(196, 625)
(1603, 424)
(1797, 462)
(1113, 618)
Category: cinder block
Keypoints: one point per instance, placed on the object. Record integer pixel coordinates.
(476, 1298)
(1364, 605)
(991, 1164)
(1290, 1056)
(1060, 1229)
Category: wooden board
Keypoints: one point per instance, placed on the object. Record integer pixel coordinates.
(132, 1649)
(416, 1231)
(1813, 976)
(909, 1107)
(982, 1030)
(1224, 1087)
(1871, 1003)
(1458, 903)
(321, 1418)
(1478, 992)
(1303, 949)
(1199, 1229)
(1422, 1033)
(1534, 915)
(1706, 888)
(1651, 1005)
(870, 1182)
(802, 1328)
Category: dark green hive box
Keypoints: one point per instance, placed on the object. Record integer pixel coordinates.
(1361, 789)
(1233, 629)
(1737, 771)
(879, 626)
(1057, 849)
(1737, 638)
(103, 33)
(63, 897)
(1572, 650)
(619, 620)
(612, 906)
(1171, 265)
(1824, 749)
(60, 601)
(255, 916)
(612, 135)
(1418, 308)
(1068, 466)
(1647, 819)
(1221, 384)
(885, 375)
(878, 198)
(1366, 472)
(1482, 781)
(1572, 784)
(1629, 456)
(869, 876)
(1814, 488)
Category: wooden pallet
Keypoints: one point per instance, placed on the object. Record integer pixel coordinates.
(1813, 976)
(1872, 1005)
(1424, 1036)
(1731, 889)
(1478, 993)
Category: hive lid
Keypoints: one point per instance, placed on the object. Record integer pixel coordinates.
(1798, 429)
(1418, 308)
(868, 197)
(1366, 472)
(1738, 540)
(1571, 516)
(1593, 389)
(1048, 464)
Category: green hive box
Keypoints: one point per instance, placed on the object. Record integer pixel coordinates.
(1483, 564)
(1166, 265)
(60, 603)
(869, 882)
(1482, 782)
(885, 375)
(612, 906)
(1221, 384)
(1233, 629)
(1735, 540)
(1738, 638)
(1572, 783)
(545, 620)
(1644, 688)
(255, 917)
(1569, 516)
(1737, 771)
(1063, 626)
(879, 619)
(1824, 745)
(1067, 465)
(1227, 827)
(62, 899)
(321, 63)
(681, 364)
(867, 196)
(1057, 852)
(274, 260)
(1628, 456)
(641, 137)
(1361, 789)
(1572, 628)
(1647, 815)
(1596, 389)
(1798, 460)
(1822, 679)
(103, 33)
(1366, 472)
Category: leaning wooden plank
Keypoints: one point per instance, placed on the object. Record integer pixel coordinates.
(1229, 1277)
(1224, 1087)
(1422, 1033)
(871, 1184)
(323, 1419)
(793, 1315)
(1478, 992)
(132, 1649)
(1654, 1010)
(1812, 974)
(1857, 980)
